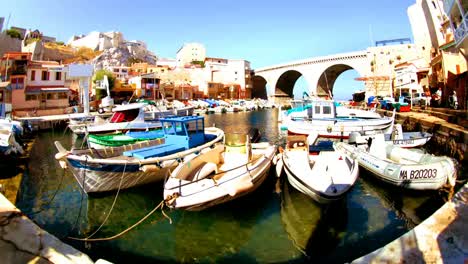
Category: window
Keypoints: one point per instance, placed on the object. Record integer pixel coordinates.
(58, 76)
(326, 110)
(124, 70)
(317, 109)
(62, 96)
(31, 97)
(45, 76)
(52, 96)
(33, 75)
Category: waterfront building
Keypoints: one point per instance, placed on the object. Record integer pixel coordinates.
(45, 88)
(189, 53)
(35, 85)
(5, 99)
(457, 11)
(382, 60)
(411, 77)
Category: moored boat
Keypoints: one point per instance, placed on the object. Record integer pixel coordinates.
(218, 175)
(321, 116)
(407, 139)
(140, 163)
(318, 170)
(399, 166)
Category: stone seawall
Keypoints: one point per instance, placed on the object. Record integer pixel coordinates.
(22, 241)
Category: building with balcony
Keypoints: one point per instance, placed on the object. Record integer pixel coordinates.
(45, 87)
(456, 11)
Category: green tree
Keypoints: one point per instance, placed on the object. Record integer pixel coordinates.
(13, 33)
(99, 75)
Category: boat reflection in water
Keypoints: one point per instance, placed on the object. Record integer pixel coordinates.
(216, 234)
(411, 206)
(315, 229)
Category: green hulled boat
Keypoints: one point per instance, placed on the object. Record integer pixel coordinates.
(120, 139)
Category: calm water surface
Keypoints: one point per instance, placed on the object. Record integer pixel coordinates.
(274, 224)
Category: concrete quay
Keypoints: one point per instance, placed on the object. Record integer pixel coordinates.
(22, 241)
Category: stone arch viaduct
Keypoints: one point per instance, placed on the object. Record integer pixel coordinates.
(320, 73)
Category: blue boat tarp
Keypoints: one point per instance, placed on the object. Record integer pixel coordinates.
(154, 151)
(145, 134)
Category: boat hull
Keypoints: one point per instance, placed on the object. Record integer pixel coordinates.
(96, 172)
(200, 194)
(426, 172)
(324, 174)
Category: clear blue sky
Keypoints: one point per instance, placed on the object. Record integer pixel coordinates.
(262, 32)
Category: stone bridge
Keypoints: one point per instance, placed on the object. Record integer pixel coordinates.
(320, 74)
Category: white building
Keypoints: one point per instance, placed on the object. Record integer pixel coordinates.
(190, 52)
(120, 72)
(426, 17)
(97, 40)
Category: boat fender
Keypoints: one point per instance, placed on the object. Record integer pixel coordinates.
(63, 164)
(149, 168)
(61, 155)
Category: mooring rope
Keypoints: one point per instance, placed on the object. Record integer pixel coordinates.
(51, 199)
(160, 205)
(113, 203)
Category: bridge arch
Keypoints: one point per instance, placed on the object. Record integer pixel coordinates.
(259, 89)
(286, 82)
(327, 79)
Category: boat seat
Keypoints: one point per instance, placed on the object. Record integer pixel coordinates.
(154, 151)
(202, 171)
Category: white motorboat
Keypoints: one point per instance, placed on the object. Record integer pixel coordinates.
(316, 169)
(124, 118)
(218, 175)
(320, 116)
(399, 166)
(407, 139)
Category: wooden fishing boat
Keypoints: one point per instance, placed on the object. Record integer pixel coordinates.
(321, 116)
(399, 166)
(218, 175)
(140, 163)
(318, 171)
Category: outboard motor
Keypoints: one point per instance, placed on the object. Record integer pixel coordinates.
(353, 138)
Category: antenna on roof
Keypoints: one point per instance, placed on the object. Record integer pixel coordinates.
(8, 21)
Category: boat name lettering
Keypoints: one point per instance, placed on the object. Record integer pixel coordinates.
(418, 174)
(403, 141)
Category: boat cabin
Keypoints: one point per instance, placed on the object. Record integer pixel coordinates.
(180, 133)
(312, 109)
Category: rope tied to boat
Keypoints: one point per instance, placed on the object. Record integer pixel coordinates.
(159, 206)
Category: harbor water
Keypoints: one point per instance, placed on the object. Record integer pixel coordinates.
(276, 223)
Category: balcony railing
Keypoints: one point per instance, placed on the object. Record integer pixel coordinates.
(462, 30)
